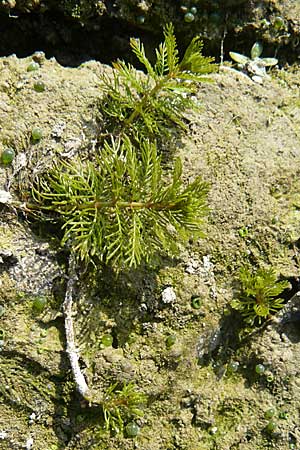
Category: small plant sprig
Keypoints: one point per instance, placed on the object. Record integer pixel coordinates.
(122, 208)
(259, 297)
(150, 104)
(255, 66)
(121, 405)
(122, 211)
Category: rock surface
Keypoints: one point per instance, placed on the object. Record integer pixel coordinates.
(55, 24)
(246, 143)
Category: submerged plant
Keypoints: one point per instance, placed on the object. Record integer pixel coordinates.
(122, 211)
(255, 66)
(122, 207)
(259, 296)
(149, 104)
(121, 405)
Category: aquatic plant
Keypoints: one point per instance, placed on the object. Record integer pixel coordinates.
(152, 104)
(259, 296)
(189, 17)
(107, 340)
(196, 302)
(123, 207)
(254, 65)
(120, 406)
(39, 303)
(132, 429)
(39, 86)
(189, 13)
(33, 66)
(271, 426)
(269, 413)
(170, 340)
(260, 369)
(121, 211)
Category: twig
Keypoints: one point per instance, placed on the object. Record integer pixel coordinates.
(222, 44)
(71, 350)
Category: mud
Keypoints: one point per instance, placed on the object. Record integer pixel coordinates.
(245, 143)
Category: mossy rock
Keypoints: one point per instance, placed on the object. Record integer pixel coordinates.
(245, 143)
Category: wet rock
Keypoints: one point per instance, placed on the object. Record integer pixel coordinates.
(7, 258)
(243, 159)
(287, 322)
(278, 345)
(203, 412)
(235, 21)
(208, 341)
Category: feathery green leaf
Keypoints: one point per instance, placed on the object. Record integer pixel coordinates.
(260, 292)
(139, 50)
(122, 211)
(144, 104)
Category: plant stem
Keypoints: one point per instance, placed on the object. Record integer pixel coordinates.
(143, 102)
(128, 205)
(158, 206)
(71, 350)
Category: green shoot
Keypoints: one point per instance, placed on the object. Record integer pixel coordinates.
(259, 294)
(122, 210)
(150, 104)
(121, 405)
